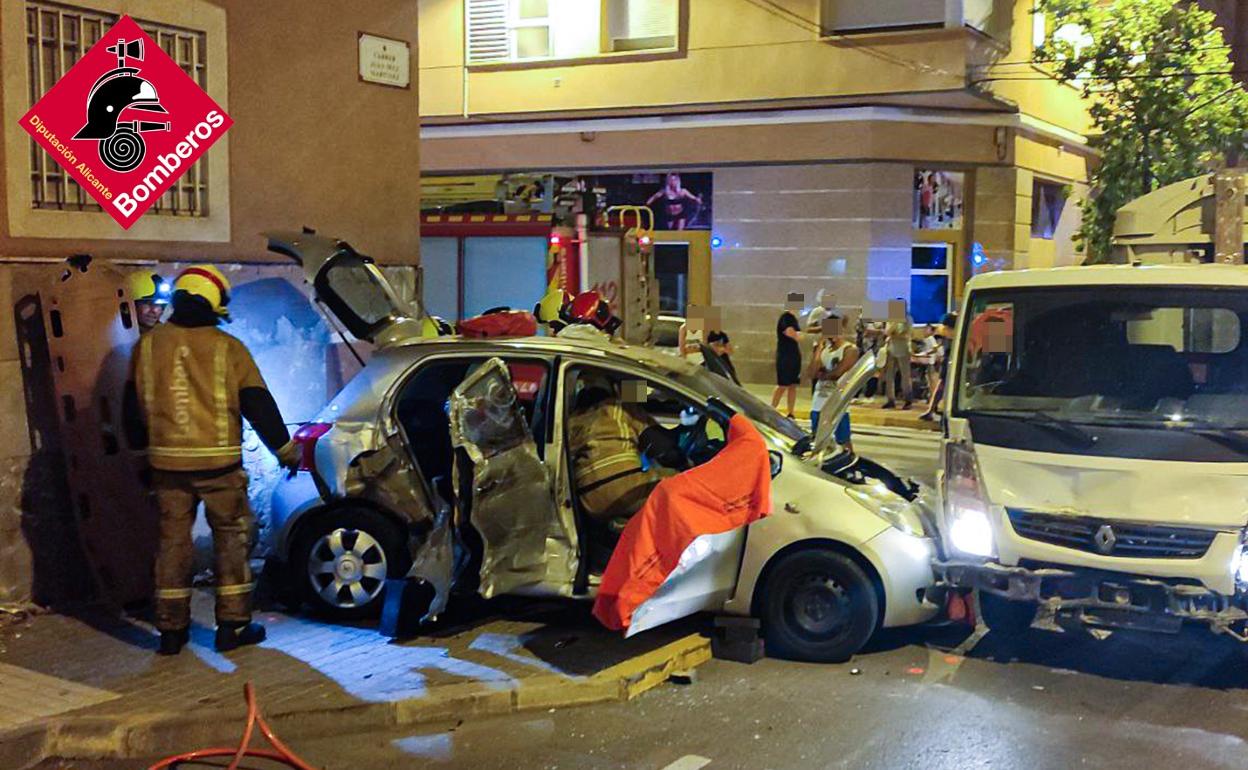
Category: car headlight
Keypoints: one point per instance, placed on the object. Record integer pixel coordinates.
(896, 511)
(966, 505)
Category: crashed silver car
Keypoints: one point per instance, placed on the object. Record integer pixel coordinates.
(402, 477)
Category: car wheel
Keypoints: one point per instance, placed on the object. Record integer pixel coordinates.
(1005, 617)
(341, 560)
(818, 605)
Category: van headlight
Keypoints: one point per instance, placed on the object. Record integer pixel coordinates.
(1239, 562)
(966, 505)
(896, 511)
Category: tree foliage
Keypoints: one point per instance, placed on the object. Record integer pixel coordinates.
(1164, 106)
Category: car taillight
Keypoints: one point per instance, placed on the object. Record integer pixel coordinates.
(966, 505)
(306, 437)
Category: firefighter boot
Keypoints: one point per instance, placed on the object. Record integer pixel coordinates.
(231, 636)
(172, 642)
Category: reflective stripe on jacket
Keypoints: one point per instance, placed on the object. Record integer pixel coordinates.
(188, 381)
(604, 441)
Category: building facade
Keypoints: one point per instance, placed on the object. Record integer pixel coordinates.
(312, 144)
(862, 150)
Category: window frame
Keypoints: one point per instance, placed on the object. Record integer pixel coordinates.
(680, 51)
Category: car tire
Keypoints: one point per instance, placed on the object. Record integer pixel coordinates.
(365, 541)
(1005, 617)
(818, 605)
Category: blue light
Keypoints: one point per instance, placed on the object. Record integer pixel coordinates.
(716, 241)
(978, 256)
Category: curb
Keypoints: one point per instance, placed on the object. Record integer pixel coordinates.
(142, 735)
(871, 417)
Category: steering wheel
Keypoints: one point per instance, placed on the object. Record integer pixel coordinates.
(701, 446)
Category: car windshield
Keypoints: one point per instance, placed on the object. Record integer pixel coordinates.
(734, 395)
(1163, 356)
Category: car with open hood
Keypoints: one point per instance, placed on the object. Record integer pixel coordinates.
(397, 482)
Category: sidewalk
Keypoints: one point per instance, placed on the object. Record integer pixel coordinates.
(92, 687)
(861, 412)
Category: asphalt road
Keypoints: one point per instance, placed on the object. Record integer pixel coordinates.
(1050, 700)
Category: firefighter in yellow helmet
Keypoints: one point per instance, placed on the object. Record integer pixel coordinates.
(150, 293)
(193, 384)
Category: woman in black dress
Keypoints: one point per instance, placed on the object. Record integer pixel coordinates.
(788, 361)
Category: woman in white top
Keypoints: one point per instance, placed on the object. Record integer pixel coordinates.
(690, 341)
(834, 355)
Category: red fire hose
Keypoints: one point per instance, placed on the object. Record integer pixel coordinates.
(281, 753)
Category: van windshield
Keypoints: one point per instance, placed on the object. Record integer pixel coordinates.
(1168, 356)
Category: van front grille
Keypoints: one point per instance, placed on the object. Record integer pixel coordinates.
(1112, 538)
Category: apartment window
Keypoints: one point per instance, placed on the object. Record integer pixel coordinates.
(1047, 201)
(56, 38)
(537, 30)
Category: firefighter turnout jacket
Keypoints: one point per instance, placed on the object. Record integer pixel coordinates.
(606, 442)
(193, 383)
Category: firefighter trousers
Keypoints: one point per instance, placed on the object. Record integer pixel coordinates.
(224, 495)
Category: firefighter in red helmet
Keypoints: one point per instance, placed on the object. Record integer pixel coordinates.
(588, 309)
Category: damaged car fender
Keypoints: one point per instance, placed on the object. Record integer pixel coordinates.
(807, 515)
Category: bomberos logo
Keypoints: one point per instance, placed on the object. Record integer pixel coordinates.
(135, 121)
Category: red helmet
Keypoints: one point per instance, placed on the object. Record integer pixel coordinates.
(589, 307)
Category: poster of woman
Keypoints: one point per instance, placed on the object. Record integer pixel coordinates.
(680, 201)
(938, 200)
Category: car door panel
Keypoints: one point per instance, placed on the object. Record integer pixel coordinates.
(703, 580)
(511, 502)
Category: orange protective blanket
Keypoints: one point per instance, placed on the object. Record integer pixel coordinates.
(730, 491)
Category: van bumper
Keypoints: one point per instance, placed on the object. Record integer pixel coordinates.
(1110, 599)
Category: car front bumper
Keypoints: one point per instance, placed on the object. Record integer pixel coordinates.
(1101, 598)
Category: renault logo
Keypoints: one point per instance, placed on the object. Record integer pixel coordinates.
(1105, 539)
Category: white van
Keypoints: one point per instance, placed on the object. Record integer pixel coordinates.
(1096, 454)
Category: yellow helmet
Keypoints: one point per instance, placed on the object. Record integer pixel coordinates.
(208, 282)
(145, 286)
(433, 326)
(548, 307)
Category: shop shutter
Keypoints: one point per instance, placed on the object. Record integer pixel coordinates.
(487, 31)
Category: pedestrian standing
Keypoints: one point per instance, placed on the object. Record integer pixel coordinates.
(193, 384)
(834, 355)
(944, 333)
(897, 362)
(788, 361)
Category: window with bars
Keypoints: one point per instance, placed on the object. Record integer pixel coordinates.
(57, 36)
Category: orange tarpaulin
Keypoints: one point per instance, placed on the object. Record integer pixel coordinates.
(730, 491)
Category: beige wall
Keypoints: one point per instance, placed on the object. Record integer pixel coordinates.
(311, 144)
(856, 140)
(736, 52)
(843, 228)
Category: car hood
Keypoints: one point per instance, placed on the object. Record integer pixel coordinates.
(1201, 494)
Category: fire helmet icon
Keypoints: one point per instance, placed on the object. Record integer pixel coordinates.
(121, 141)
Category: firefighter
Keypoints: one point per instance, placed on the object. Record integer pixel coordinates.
(150, 293)
(193, 382)
(588, 316)
(607, 439)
